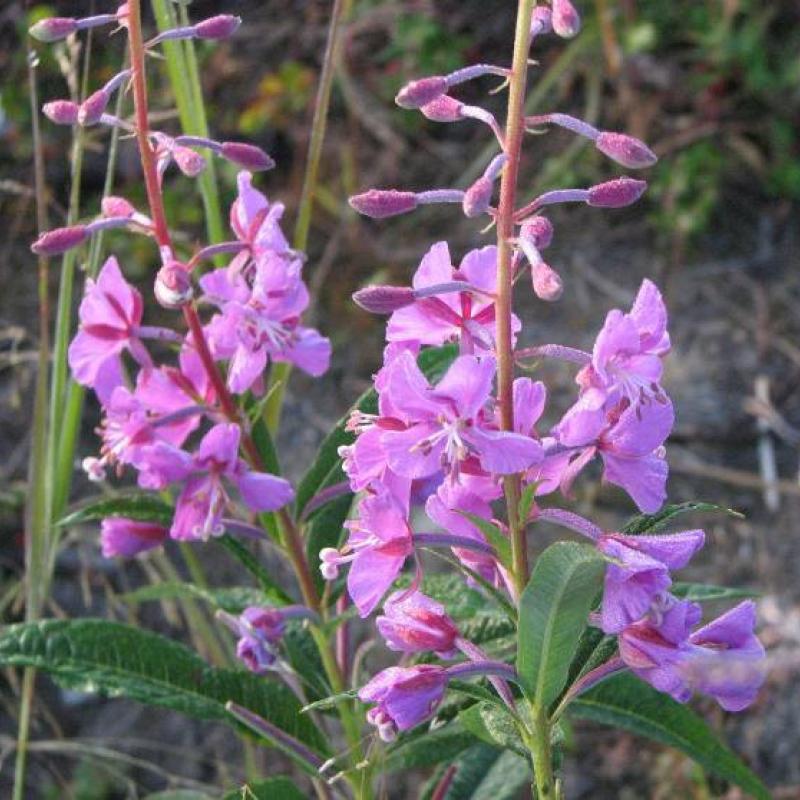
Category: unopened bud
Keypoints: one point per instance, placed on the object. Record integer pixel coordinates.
(384, 299)
(220, 27)
(443, 109)
(189, 162)
(53, 29)
(566, 20)
(618, 193)
(62, 112)
(246, 155)
(116, 207)
(539, 230)
(419, 93)
(625, 150)
(59, 240)
(173, 287)
(542, 20)
(478, 197)
(382, 203)
(547, 283)
(93, 107)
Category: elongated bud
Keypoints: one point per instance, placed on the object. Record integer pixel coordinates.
(539, 230)
(246, 155)
(53, 29)
(59, 240)
(625, 150)
(116, 207)
(547, 283)
(384, 299)
(566, 20)
(443, 109)
(478, 197)
(215, 28)
(541, 21)
(421, 92)
(189, 162)
(173, 287)
(618, 193)
(62, 112)
(93, 107)
(382, 203)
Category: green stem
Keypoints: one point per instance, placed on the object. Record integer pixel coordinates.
(514, 133)
(539, 742)
(341, 8)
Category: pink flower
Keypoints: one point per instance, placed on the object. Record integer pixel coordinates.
(413, 623)
(124, 537)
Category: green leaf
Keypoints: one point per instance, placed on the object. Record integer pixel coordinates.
(650, 523)
(624, 701)
(554, 609)
(253, 566)
(494, 536)
(493, 724)
(325, 530)
(271, 789)
(426, 748)
(327, 703)
(233, 600)
(179, 794)
(141, 507)
(704, 593)
(96, 655)
(475, 691)
(526, 501)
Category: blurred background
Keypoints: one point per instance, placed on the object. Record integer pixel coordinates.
(712, 85)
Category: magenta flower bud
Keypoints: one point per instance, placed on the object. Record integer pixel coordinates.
(246, 155)
(382, 203)
(59, 240)
(443, 109)
(116, 207)
(542, 20)
(93, 107)
(565, 19)
(173, 286)
(62, 112)
(384, 299)
(53, 29)
(539, 230)
(414, 623)
(419, 93)
(478, 197)
(215, 28)
(547, 283)
(124, 537)
(189, 162)
(625, 150)
(618, 193)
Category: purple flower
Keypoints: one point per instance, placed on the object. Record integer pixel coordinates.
(447, 425)
(260, 631)
(723, 659)
(413, 623)
(403, 697)
(638, 572)
(110, 315)
(380, 541)
(124, 537)
(465, 316)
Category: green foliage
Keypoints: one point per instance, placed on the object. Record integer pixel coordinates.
(240, 552)
(233, 599)
(424, 748)
(624, 701)
(652, 523)
(100, 656)
(493, 724)
(554, 610)
(139, 506)
(271, 789)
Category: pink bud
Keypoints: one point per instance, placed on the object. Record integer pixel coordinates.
(59, 240)
(124, 537)
(117, 207)
(478, 197)
(443, 109)
(566, 20)
(220, 27)
(93, 107)
(53, 29)
(123, 12)
(384, 299)
(381, 203)
(173, 287)
(625, 150)
(539, 230)
(547, 283)
(62, 112)
(617, 193)
(189, 163)
(419, 93)
(542, 20)
(247, 155)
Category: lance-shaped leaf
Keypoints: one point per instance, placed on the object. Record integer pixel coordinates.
(139, 506)
(553, 613)
(626, 702)
(650, 523)
(271, 789)
(493, 724)
(101, 656)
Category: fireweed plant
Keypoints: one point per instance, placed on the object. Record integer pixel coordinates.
(446, 454)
